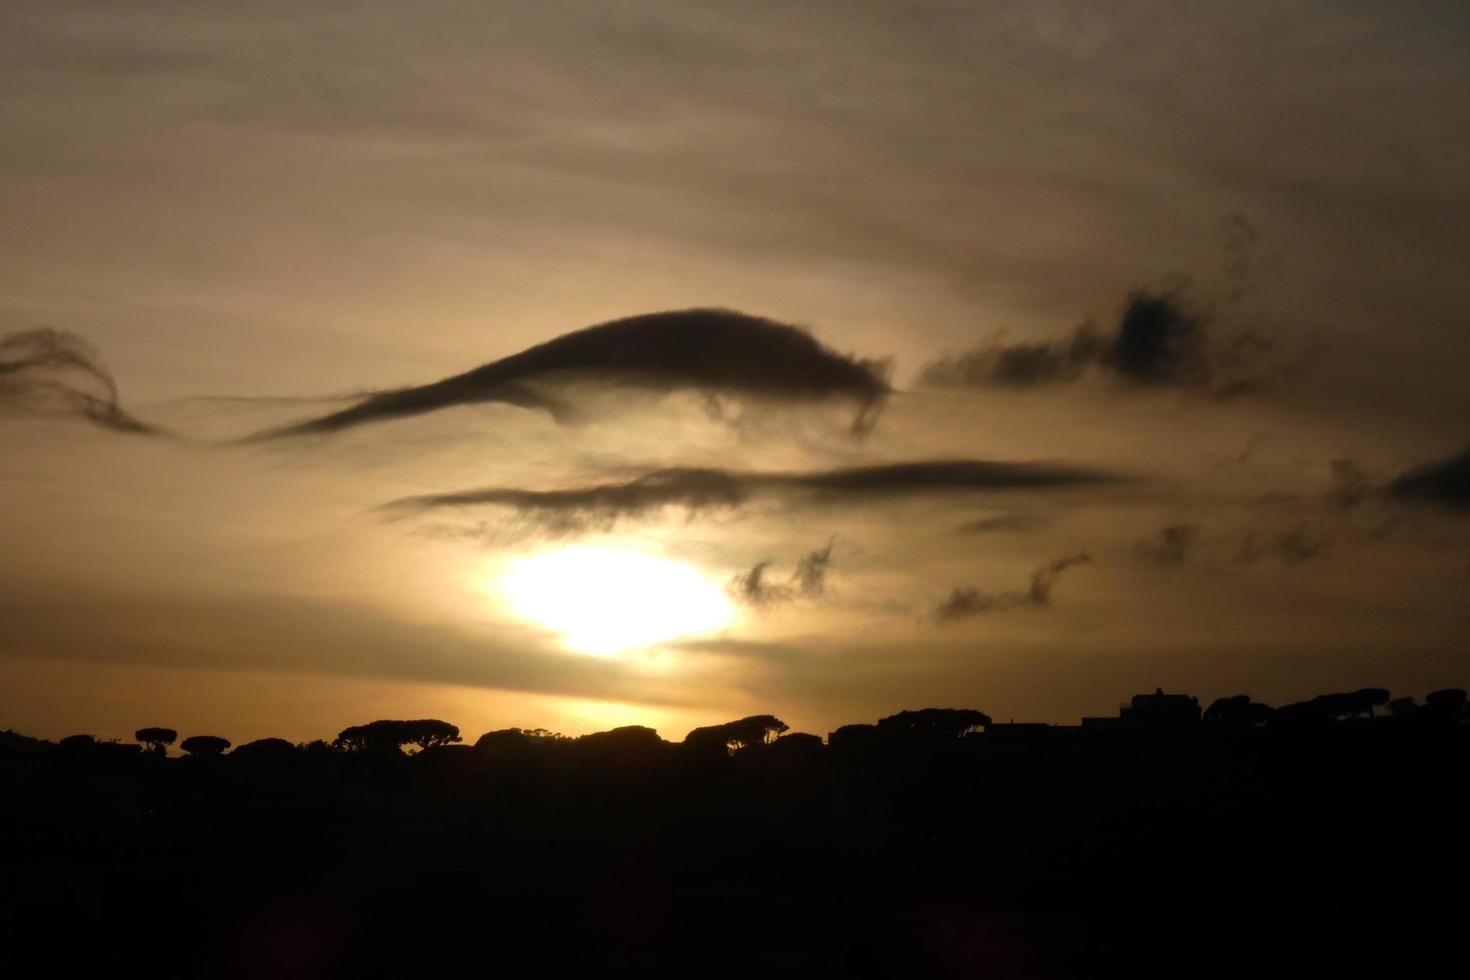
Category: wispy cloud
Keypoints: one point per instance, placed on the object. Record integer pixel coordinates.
(1292, 546)
(695, 490)
(1172, 546)
(808, 580)
(1159, 340)
(966, 602)
(49, 372)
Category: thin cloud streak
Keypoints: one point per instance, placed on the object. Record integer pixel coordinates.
(967, 602)
(699, 490)
(48, 372)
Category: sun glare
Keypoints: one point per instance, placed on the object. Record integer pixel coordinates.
(605, 600)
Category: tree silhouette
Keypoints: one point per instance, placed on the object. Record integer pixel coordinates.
(156, 740)
(944, 723)
(1334, 707)
(798, 742)
(735, 735)
(265, 750)
(1369, 698)
(1445, 705)
(628, 737)
(853, 738)
(1238, 710)
(204, 745)
(389, 737)
(1403, 707)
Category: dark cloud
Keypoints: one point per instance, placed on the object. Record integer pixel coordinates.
(601, 505)
(753, 589)
(964, 602)
(48, 372)
(808, 580)
(711, 351)
(1158, 341)
(696, 490)
(1004, 524)
(1173, 544)
(1291, 546)
(811, 571)
(1442, 481)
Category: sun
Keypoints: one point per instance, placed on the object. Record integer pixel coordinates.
(605, 600)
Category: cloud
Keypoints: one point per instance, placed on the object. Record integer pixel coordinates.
(705, 350)
(1351, 484)
(1004, 524)
(752, 588)
(1241, 237)
(965, 602)
(696, 490)
(1442, 481)
(1173, 545)
(256, 631)
(809, 580)
(1292, 546)
(48, 372)
(1159, 340)
(811, 571)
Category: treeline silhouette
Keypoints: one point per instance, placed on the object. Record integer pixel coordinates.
(1322, 838)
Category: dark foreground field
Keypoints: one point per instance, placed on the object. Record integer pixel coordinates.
(1198, 851)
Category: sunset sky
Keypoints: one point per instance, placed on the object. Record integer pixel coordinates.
(1172, 296)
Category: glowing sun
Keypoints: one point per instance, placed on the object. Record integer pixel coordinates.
(604, 600)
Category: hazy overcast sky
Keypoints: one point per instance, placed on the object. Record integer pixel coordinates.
(281, 203)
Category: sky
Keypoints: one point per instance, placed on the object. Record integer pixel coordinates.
(1015, 356)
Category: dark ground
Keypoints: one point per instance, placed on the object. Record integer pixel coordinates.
(1336, 850)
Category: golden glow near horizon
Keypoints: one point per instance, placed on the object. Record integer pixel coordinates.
(605, 600)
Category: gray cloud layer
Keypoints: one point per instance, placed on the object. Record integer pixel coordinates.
(714, 351)
(706, 489)
(48, 372)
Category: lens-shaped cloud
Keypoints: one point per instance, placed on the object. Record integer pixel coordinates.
(707, 350)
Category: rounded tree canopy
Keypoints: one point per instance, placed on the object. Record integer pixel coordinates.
(204, 744)
(746, 732)
(155, 736)
(265, 748)
(940, 722)
(390, 736)
(799, 742)
(628, 736)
